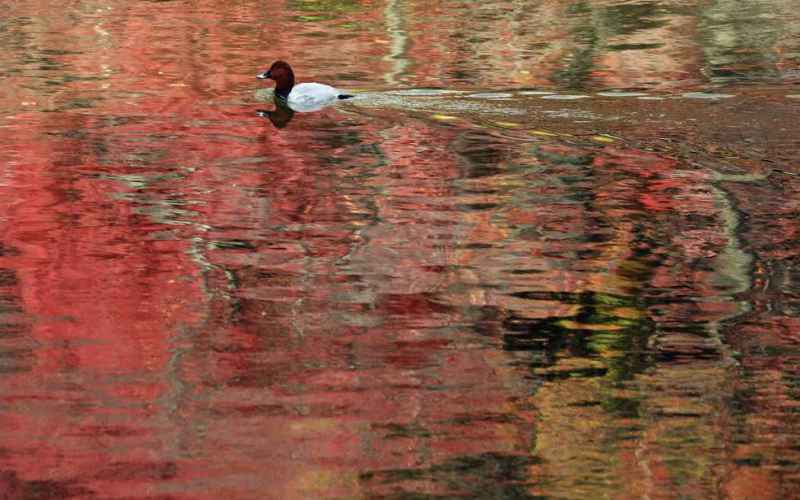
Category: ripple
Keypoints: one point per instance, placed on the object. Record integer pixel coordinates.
(491, 95)
(536, 92)
(568, 97)
(706, 95)
(614, 93)
(423, 92)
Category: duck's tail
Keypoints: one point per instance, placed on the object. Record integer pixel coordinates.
(345, 96)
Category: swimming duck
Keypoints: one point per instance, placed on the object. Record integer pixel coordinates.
(303, 96)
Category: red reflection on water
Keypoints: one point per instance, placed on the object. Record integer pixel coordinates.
(202, 305)
(166, 362)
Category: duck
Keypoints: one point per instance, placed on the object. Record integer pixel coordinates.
(303, 97)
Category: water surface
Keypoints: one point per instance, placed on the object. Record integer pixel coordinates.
(549, 250)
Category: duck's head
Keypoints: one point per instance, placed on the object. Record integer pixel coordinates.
(283, 75)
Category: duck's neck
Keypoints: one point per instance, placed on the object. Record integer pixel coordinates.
(284, 85)
(281, 100)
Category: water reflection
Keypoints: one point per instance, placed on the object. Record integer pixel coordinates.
(280, 116)
(450, 286)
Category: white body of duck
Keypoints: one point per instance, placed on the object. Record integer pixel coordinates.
(312, 96)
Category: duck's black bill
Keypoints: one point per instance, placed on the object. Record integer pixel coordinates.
(263, 76)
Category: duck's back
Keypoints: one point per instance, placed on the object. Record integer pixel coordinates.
(311, 96)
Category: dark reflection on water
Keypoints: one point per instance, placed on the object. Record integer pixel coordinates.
(416, 294)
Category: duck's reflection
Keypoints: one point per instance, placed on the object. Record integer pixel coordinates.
(280, 116)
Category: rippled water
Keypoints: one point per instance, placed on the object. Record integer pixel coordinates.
(549, 250)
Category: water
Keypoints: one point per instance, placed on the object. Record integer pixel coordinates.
(549, 250)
